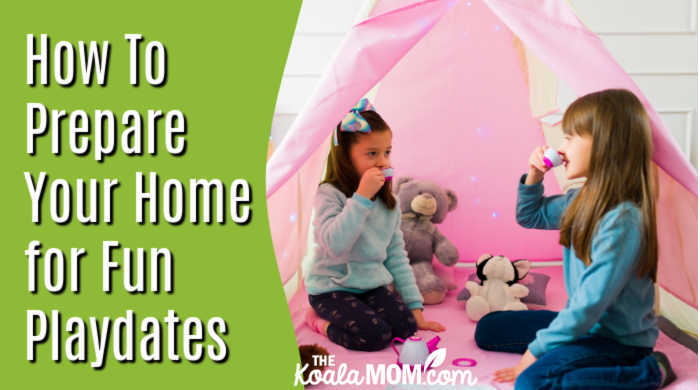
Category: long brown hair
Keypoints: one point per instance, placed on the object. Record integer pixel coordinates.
(620, 170)
(339, 169)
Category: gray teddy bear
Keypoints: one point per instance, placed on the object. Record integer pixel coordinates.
(423, 204)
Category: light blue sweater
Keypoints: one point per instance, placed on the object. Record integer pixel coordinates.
(359, 247)
(607, 298)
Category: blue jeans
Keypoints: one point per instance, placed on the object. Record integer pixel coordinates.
(588, 363)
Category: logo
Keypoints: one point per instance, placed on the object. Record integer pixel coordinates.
(428, 373)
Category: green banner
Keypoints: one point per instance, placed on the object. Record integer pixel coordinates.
(136, 243)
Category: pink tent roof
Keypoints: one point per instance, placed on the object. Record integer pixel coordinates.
(578, 57)
(373, 47)
(368, 53)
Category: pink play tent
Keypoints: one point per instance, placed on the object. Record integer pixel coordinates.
(469, 88)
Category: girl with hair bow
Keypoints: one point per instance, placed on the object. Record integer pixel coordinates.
(360, 248)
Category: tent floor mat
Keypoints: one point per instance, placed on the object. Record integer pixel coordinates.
(459, 339)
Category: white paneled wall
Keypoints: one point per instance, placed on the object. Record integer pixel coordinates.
(637, 16)
(655, 41)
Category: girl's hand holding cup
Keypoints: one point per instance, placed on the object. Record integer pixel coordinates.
(542, 159)
(536, 165)
(370, 183)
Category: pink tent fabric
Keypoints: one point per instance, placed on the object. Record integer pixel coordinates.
(453, 124)
(677, 226)
(458, 103)
(551, 30)
(289, 211)
(368, 52)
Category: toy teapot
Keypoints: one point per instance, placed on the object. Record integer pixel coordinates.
(414, 350)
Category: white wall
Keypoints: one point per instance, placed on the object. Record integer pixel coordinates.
(655, 41)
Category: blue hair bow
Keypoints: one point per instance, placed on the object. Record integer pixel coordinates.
(353, 121)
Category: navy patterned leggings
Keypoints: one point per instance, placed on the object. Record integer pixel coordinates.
(367, 321)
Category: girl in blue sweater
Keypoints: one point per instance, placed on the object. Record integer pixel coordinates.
(603, 338)
(360, 248)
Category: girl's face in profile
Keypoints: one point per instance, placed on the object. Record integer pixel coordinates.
(576, 151)
(371, 150)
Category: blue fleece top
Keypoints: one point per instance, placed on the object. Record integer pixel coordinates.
(359, 247)
(607, 298)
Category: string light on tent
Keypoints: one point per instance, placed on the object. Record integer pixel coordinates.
(292, 217)
(494, 214)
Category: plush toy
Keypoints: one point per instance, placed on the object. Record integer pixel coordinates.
(307, 353)
(423, 204)
(499, 288)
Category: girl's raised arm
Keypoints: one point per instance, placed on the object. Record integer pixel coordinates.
(336, 226)
(536, 211)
